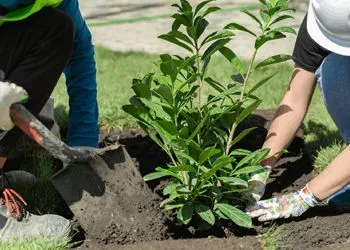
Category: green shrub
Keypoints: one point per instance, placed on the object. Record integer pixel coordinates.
(208, 176)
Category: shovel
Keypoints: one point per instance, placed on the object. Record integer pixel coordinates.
(93, 182)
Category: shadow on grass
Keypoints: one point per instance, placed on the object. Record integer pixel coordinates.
(321, 136)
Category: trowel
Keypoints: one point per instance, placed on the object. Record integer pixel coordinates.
(92, 181)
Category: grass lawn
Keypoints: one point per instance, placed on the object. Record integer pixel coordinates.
(115, 72)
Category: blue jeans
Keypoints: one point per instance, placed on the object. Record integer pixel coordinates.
(334, 78)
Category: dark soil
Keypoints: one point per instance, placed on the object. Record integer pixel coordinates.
(141, 223)
(317, 228)
(246, 243)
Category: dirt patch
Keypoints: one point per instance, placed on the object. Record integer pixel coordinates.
(319, 227)
(246, 243)
(143, 225)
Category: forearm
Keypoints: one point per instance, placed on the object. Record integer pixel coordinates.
(333, 178)
(283, 128)
(290, 113)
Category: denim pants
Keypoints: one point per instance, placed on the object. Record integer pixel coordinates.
(334, 80)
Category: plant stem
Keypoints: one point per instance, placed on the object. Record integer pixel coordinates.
(248, 74)
(245, 83)
(199, 79)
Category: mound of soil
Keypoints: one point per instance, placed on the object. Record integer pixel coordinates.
(246, 243)
(318, 227)
(145, 226)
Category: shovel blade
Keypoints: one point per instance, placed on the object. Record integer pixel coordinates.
(93, 191)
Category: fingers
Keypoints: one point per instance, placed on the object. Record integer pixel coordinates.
(20, 93)
(264, 210)
(269, 216)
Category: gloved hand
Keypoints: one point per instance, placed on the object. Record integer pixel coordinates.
(257, 184)
(284, 206)
(9, 94)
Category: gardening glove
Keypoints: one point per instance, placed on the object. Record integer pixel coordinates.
(257, 184)
(284, 206)
(9, 94)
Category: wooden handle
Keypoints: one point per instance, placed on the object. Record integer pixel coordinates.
(31, 126)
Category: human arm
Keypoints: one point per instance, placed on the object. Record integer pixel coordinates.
(81, 82)
(289, 115)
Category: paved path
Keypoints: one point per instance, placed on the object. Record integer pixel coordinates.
(134, 25)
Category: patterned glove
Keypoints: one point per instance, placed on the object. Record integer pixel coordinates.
(257, 184)
(9, 94)
(284, 206)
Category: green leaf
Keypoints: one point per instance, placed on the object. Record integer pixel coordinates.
(252, 16)
(236, 26)
(207, 154)
(184, 215)
(168, 126)
(240, 152)
(269, 36)
(139, 113)
(217, 45)
(228, 92)
(173, 40)
(186, 6)
(242, 135)
(205, 213)
(211, 10)
(172, 206)
(285, 30)
(157, 108)
(170, 189)
(201, 26)
(169, 173)
(248, 170)
(142, 90)
(182, 19)
(201, 5)
(181, 36)
(218, 164)
(233, 181)
(247, 111)
(273, 60)
(233, 59)
(254, 157)
(198, 128)
(188, 168)
(165, 92)
(155, 175)
(176, 25)
(281, 18)
(264, 16)
(217, 35)
(216, 85)
(260, 83)
(221, 215)
(234, 214)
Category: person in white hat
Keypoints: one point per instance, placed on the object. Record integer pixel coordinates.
(321, 54)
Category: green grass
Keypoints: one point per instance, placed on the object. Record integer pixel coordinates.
(327, 154)
(269, 239)
(37, 243)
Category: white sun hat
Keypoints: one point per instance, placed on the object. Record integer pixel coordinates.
(328, 23)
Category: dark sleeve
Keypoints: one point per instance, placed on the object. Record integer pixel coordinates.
(307, 53)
